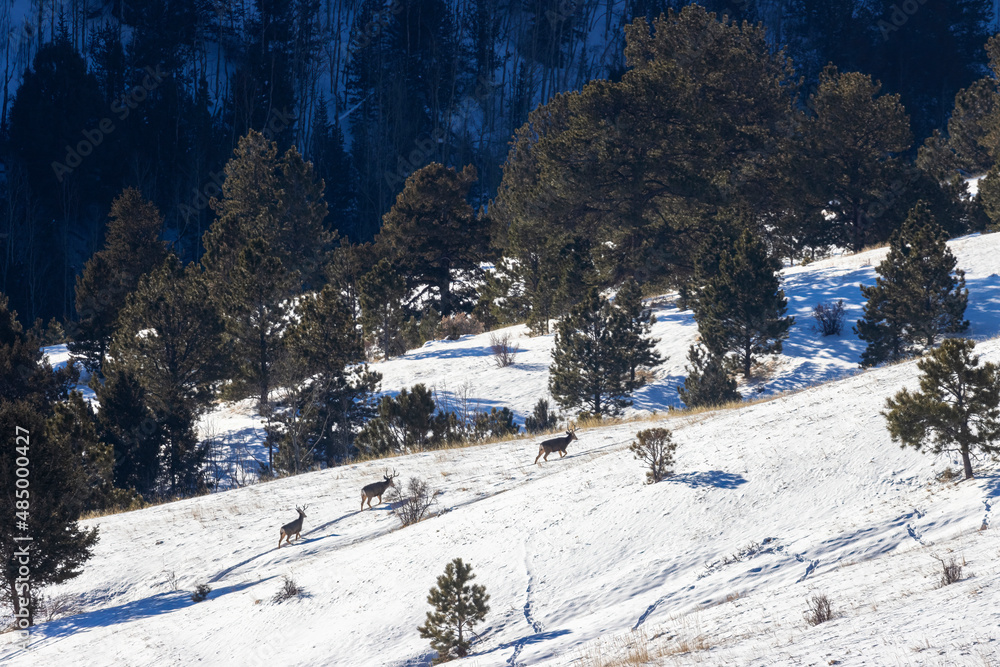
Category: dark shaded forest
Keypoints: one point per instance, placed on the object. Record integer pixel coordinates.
(101, 95)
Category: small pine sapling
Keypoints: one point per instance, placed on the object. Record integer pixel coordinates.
(458, 607)
(200, 593)
(655, 448)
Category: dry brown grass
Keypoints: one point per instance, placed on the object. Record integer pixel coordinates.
(640, 648)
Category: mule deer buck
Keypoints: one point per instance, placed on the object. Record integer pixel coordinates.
(292, 528)
(555, 445)
(376, 489)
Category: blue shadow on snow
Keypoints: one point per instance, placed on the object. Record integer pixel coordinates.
(716, 478)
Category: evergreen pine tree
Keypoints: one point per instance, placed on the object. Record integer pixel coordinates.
(42, 431)
(334, 388)
(170, 339)
(918, 295)
(638, 321)
(989, 195)
(590, 366)
(432, 233)
(249, 207)
(256, 302)
(381, 295)
(957, 407)
(708, 383)
(125, 421)
(849, 144)
(403, 422)
(458, 607)
(304, 241)
(132, 248)
(740, 309)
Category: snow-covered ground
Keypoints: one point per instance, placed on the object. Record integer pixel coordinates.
(772, 503)
(576, 553)
(465, 369)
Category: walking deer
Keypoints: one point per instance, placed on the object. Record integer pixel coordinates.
(293, 527)
(376, 489)
(555, 445)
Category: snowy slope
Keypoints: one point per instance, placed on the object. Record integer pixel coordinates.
(465, 367)
(576, 553)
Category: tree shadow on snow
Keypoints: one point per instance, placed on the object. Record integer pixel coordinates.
(154, 605)
(716, 478)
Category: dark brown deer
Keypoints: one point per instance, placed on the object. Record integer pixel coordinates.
(555, 445)
(376, 489)
(292, 528)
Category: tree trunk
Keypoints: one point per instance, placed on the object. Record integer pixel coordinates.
(966, 462)
(446, 295)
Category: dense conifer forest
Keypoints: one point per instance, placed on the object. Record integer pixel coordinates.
(99, 96)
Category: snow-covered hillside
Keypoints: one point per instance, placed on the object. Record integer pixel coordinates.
(772, 503)
(465, 368)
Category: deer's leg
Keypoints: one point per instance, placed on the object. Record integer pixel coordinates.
(539, 455)
(562, 454)
(281, 537)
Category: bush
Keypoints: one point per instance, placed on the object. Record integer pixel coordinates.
(655, 447)
(541, 420)
(503, 349)
(494, 424)
(413, 502)
(819, 610)
(201, 592)
(416, 331)
(951, 571)
(829, 317)
(457, 325)
(289, 589)
(708, 383)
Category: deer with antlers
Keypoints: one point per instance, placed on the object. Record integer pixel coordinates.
(293, 527)
(555, 445)
(376, 489)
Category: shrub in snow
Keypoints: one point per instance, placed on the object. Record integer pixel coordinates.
(541, 420)
(458, 607)
(655, 448)
(455, 326)
(413, 502)
(201, 592)
(289, 589)
(494, 424)
(503, 349)
(829, 317)
(708, 383)
(951, 571)
(819, 610)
